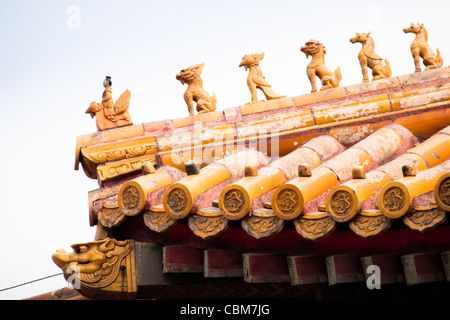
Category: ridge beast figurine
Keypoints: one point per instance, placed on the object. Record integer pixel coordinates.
(421, 49)
(195, 92)
(109, 114)
(255, 78)
(369, 59)
(318, 68)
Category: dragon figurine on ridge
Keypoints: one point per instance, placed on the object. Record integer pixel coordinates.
(318, 68)
(195, 91)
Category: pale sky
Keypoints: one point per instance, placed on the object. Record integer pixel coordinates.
(55, 54)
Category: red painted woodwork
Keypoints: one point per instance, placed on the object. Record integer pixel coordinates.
(223, 263)
(344, 268)
(423, 268)
(265, 268)
(398, 241)
(391, 268)
(181, 259)
(446, 264)
(307, 270)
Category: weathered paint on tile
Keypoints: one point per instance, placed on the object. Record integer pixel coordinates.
(263, 106)
(351, 109)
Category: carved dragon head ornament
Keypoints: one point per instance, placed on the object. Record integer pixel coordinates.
(98, 265)
(190, 74)
(312, 47)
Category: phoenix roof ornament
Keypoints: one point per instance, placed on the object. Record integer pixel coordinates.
(255, 79)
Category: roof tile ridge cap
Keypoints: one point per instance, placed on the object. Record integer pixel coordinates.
(232, 114)
(365, 94)
(168, 126)
(418, 83)
(198, 119)
(428, 83)
(319, 100)
(122, 141)
(100, 135)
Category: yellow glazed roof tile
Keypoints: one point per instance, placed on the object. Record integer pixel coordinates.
(277, 128)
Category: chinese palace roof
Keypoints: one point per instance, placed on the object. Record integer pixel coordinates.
(291, 191)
